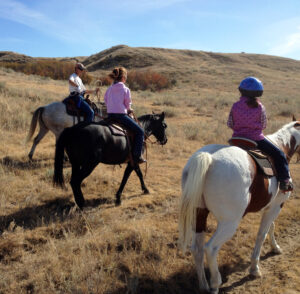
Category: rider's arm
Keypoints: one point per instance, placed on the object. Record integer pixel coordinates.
(72, 83)
(230, 120)
(263, 117)
(127, 100)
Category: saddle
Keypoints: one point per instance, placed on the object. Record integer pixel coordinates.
(73, 110)
(117, 129)
(263, 161)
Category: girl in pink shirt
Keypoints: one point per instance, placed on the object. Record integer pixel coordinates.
(118, 102)
(247, 118)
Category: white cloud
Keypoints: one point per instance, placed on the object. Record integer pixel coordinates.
(133, 6)
(283, 38)
(73, 26)
(289, 44)
(18, 12)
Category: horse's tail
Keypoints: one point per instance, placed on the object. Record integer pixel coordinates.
(58, 177)
(36, 115)
(193, 179)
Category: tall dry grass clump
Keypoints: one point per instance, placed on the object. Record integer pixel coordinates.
(54, 69)
(143, 80)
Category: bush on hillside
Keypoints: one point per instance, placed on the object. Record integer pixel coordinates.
(144, 80)
(55, 69)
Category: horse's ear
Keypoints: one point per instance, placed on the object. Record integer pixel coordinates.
(153, 112)
(294, 118)
(163, 115)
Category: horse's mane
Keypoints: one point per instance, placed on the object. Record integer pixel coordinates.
(145, 120)
(283, 134)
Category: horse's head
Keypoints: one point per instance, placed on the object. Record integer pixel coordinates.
(157, 127)
(296, 135)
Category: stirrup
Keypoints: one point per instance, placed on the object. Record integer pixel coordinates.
(286, 186)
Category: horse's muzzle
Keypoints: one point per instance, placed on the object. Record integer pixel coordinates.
(164, 141)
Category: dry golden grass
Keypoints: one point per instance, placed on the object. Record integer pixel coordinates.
(47, 246)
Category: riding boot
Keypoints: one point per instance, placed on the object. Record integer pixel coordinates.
(139, 159)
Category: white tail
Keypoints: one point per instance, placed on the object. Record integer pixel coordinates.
(193, 178)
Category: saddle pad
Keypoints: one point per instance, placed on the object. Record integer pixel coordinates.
(71, 107)
(263, 162)
(116, 130)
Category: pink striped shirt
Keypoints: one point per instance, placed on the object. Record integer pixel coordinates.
(246, 121)
(117, 98)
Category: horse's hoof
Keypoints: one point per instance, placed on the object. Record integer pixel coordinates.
(30, 157)
(146, 191)
(277, 250)
(214, 291)
(80, 205)
(256, 273)
(118, 202)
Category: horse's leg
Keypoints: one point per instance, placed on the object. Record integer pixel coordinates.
(126, 175)
(225, 230)
(78, 175)
(197, 248)
(275, 247)
(266, 222)
(43, 131)
(140, 175)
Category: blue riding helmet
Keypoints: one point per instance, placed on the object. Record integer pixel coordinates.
(251, 87)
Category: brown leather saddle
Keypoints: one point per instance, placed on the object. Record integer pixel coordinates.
(263, 161)
(73, 110)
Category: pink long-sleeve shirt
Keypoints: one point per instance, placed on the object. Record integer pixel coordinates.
(246, 121)
(117, 98)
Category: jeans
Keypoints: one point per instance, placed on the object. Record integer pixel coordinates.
(129, 123)
(279, 157)
(81, 104)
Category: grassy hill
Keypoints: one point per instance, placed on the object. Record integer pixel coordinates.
(196, 70)
(47, 246)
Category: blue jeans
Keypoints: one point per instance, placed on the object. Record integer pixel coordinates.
(129, 123)
(81, 104)
(279, 157)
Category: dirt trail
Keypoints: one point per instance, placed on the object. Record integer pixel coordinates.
(277, 274)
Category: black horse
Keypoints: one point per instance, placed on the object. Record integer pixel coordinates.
(88, 144)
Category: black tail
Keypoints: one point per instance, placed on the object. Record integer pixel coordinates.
(58, 177)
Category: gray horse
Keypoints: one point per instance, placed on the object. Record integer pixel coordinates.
(52, 117)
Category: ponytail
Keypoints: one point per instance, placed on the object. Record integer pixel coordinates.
(118, 73)
(252, 102)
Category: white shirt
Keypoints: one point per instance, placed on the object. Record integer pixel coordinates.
(77, 80)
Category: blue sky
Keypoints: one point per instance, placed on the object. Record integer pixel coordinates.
(64, 28)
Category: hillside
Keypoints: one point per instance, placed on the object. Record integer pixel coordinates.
(198, 69)
(173, 60)
(9, 56)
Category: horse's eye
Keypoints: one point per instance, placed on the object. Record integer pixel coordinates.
(164, 125)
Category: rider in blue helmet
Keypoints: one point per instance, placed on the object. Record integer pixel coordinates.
(251, 87)
(248, 118)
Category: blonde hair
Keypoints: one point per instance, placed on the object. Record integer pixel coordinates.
(118, 73)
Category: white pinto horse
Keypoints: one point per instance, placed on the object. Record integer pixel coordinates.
(51, 117)
(224, 180)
